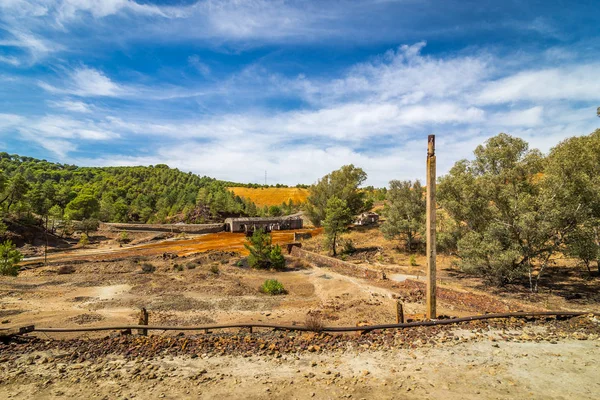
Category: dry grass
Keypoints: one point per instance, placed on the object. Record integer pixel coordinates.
(314, 322)
(271, 196)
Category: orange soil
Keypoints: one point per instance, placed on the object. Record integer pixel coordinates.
(271, 196)
(213, 241)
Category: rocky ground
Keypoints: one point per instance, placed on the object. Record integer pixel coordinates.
(486, 359)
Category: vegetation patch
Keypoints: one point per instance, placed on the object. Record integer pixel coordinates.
(273, 287)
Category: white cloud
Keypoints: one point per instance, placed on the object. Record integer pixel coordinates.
(56, 133)
(572, 82)
(527, 117)
(73, 106)
(69, 9)
(86, 81)
(10, 60)
(36, 48)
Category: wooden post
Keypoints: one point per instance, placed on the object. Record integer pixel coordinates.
(431, 254)
(399, 312)
(143, 321)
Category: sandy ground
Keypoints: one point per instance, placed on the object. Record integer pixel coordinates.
(472, 370)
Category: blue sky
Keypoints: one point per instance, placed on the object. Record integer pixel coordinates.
(230, 89)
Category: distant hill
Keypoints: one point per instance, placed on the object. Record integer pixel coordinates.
(114, 194)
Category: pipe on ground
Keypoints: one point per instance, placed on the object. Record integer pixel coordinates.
(324, 329)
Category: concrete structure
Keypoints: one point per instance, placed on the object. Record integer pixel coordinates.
(367, 218)
(250, 224)
(175, 228)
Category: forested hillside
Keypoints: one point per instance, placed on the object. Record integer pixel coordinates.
(152, 194)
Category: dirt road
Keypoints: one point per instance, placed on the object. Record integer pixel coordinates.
(471, 370)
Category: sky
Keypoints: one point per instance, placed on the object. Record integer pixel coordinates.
(234, 88)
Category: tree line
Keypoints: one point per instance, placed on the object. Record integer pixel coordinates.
(505, 214)
(155, 194)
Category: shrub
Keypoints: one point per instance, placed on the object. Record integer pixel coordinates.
(214, 268)
(272, 287)
(89, 224)
(84, 240)
(178, 267)
(276, 258)
(349, 247)
(413, 260)
(123, 237)
(240, 263)
(66, 269)
(191, 265)
(9, 258)
(148, 268)
(314, 322)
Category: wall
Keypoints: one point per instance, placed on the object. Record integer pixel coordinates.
(176, 228)
(336, 265)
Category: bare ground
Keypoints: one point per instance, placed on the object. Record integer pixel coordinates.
(197, 281)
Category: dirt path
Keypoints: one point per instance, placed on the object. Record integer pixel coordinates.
(473, 370)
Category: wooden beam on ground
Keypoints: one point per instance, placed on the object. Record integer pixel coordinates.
(16, 330)
(431, 206)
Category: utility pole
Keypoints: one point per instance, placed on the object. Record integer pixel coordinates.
(431, 253)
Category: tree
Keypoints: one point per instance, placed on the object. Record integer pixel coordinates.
(84, 206)
(343, 184)
(276, 257)
(9, 258)
(503, 222)
(404, 212)
(275, 211)
(571, 188)
(259, 246)
(337, 218)
(263, 254)
(16, 190)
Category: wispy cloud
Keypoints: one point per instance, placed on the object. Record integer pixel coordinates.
(72, 106)
(86, 81)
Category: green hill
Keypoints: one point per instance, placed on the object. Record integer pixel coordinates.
(152, 194)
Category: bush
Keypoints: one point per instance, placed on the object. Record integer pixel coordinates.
(123, 237)
(84, 240)
(214, 268)
(349, 247)
(178, 267)
(148, 268)
(66, 269)
(240, 263)
(413, 260)
(272, 287)
(9, 258)
(191, 265)
(89, 224)
(314, 322)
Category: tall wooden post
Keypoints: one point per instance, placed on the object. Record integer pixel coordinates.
(431, 254)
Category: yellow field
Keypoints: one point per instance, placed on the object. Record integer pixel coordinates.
(271, 196)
